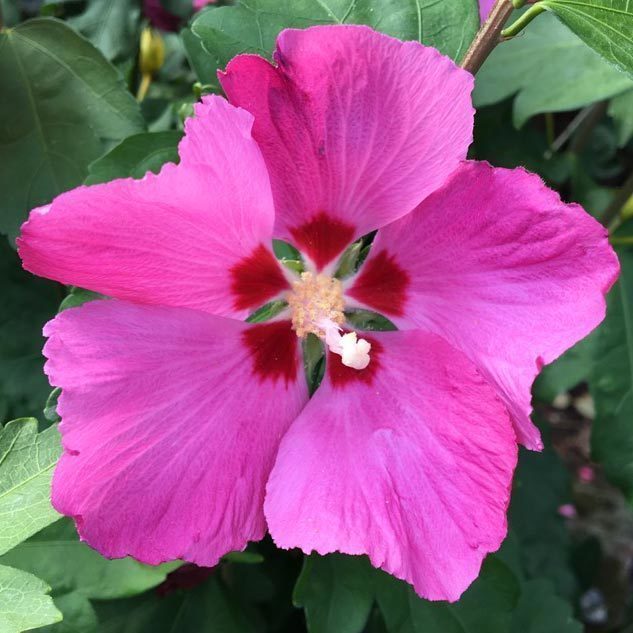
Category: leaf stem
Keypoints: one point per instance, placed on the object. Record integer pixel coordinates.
(618, 202)
(487, 37)
(146, 80)
(516, 27)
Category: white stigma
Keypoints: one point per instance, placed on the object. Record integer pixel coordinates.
(316, 303)
(354, 351)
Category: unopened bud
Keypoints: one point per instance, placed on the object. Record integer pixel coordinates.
(152, 52)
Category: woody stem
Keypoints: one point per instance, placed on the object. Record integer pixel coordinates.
(488, 37)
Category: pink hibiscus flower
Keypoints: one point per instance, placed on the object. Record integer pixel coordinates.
(188, 431)
(485, 6)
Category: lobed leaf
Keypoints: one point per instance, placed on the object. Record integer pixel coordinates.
(61, 103)
(24, 603)
(605, 25)
(251, 27)
(27, 459)
(549, 69)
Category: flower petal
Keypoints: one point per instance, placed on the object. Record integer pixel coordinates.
(495, 263)
(171, 419)
(356, 128)
(197, 235)
(409, 461)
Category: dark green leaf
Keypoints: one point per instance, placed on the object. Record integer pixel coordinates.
(336, 592)
(267, 311)
(621, 110)
(540, 610)
(541, 486)
(369, 321)
(27, 303)
(202, 62)
(486, 606)
(499, 142)
(550, 69)
(24, 603)
(60, 102)
(605, 25)
(56, 555)
(77, 297)
(135, 156)
(79, 616)
(27, 459)
(566, 372)
(449, 25)
(208, 608)
(110, 25)
(50, 409)
(612, 382)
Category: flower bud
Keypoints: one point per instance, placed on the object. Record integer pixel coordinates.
(152, 51)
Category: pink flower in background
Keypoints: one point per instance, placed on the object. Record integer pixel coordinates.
(188, 431)
(485, 6)
(165, 20)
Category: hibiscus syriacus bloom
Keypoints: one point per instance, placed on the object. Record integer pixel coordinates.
(188, 431)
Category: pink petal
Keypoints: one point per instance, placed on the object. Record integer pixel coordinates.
(356, 129)
(485, 6)
(171, 422)
(500, 267)
(196, 236)
(410, 463)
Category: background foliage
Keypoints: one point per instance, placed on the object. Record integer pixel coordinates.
(81, 101)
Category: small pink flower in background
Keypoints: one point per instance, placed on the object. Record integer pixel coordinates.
(200, 4)
(189, 432)
(485, 6)
(165, 20)
(586, 474)
(568, 510)
(159, 17)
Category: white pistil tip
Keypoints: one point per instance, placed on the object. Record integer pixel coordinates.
(354, 352)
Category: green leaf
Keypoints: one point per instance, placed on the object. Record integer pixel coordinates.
(486, 606)
(500, 143)
(202, 62)
(566, 372)
(550, 69)
(61, 103)
(27, 459)
(621, 110)
(79, 615)
(540, 610)
(56, 555)
(605, 25)
(252, 26)
(135, 156)
(207, 608)
(77, 297)
(24, 604)
(541, 486)
(110, 25)
(336, 592)
(27, 303)
(612, 382)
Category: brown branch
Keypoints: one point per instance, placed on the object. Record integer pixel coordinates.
(488, 36)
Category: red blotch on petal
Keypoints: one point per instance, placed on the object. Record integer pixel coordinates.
(256, 279)
(273, 348)
(322, 238)
(341, 375)
(382, 284)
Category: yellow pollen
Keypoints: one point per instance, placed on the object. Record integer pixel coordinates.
(313, 300)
